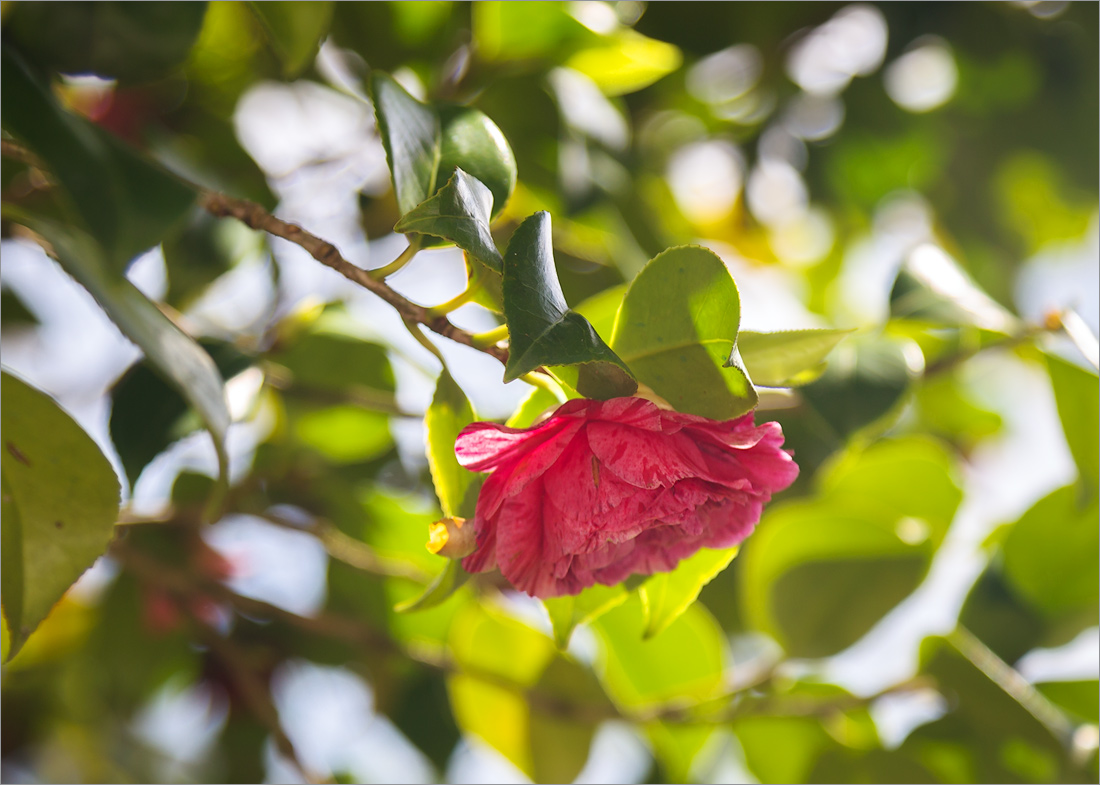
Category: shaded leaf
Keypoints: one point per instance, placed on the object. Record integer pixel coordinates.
(542, 329)
(458, 212)
(170, 350)
(60, 499)
(1077, 394)
(474, 143)
(438, 591)
(126, 203)
(411, 135)
(295, 30)
(132, 42)
(787, 359)
(591, 603)
(676, 330)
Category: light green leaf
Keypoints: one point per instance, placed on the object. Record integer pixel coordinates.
(787, 359)
(542, 329)
(567, 612)
(601, 309)
(438, 591)
(626, 62)
(449, 412)
(678, 746)
(126, 203)
(531, 408)
(676, 330)
(1050, 554)
(876, 522)
(344, 434)
(60, 501)
(1077, 394)
(294, 29)
(170, 350)
(458, 212)
(668, 594)
(687, 661)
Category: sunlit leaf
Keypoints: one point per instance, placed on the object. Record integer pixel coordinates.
(626, 62)
(668, 594)
(676, 330)
(789, 358)
(449, 412)
(569, 611)
(542, 329)
(1077, 394)
(60, 500)
(538, 401)
(411, 135)
(438, 591)
(686, 661)
(345, 434)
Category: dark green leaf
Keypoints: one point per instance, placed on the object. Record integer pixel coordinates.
(542, 329)
(132, 42)
(126, 203)
(676, 330)
(148, 414)
(787, 359)
(328, 358)
(1077, 393)
(449, 412)
(411, 135)
(458, 212)
(474, 143)
(174, 353)
(295, 30)
(865, 380)
(13, 313)
(932, 287)
(60, 499)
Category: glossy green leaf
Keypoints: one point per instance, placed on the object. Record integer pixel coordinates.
(877, 520)
(591, 603)
(787, 359)
(686, 662)
(449, 412)
(411, 135)
(174, 354)
(676, 330)
(1050, 553)
(60, 500)
(1077, 394)
(148, 414)
(668, 594)
(542, 329)
(295, 30)
(458, 212)
(472, 142)
(425, 144)
(126, 203)
(132, 42)
(438, 591)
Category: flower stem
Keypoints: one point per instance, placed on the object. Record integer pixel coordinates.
(546, 382)
(406, 256)
(490, 338)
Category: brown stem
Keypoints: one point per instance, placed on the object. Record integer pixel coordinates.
(255, 217)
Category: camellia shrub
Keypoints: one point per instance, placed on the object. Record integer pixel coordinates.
(685, 507)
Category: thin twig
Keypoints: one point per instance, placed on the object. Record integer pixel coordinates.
(255, 217)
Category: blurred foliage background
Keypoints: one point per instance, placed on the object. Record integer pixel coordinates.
(921, 606)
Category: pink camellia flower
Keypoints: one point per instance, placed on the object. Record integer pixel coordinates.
(605, 489)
